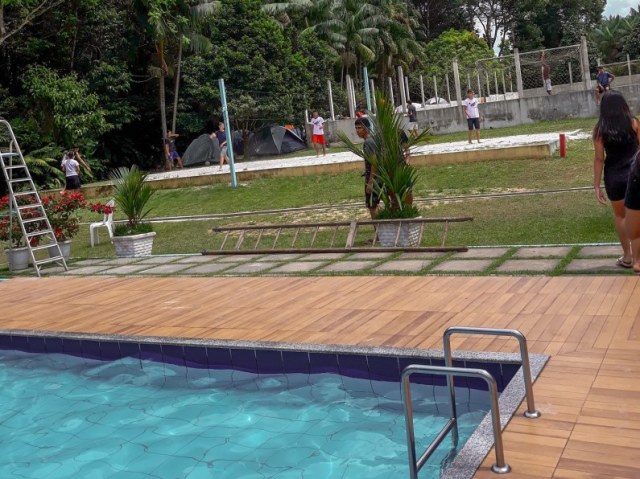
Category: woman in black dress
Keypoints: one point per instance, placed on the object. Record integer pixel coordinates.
(616, 137)
(632, 211)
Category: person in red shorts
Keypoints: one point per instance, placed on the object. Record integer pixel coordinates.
(318, 134)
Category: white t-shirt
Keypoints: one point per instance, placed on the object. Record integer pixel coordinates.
(70, 166)
(471, 105)
(317, 125)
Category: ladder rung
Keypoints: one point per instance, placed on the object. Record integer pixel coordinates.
(39, 233)
(54, 259)
(34, 205)
(15, 167)
(20, 180)
(39, 248)
(21, 193)
(3, 155)
(34, 220)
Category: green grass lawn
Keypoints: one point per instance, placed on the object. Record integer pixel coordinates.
(539, 219)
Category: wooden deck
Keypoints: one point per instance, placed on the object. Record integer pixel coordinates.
(589, 393)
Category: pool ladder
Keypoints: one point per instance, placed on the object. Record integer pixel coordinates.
(500, 467)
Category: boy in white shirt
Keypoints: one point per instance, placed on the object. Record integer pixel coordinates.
(318, 134)
(471, 110)
(71, 169)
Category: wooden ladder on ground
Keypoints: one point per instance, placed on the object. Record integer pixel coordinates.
(330, 237)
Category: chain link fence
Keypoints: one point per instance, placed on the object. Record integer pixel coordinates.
(622, 69)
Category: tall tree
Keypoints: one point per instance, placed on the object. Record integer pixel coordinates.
(15, 15)
(436, 16)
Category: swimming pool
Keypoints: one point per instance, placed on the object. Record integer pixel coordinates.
(131, 410)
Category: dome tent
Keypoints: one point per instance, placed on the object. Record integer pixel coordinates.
(274, 140)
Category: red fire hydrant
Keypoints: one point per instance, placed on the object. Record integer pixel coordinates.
(563, 145)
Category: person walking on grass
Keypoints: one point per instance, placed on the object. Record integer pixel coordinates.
(171, 152)
(371, 194)
(318, 137)
(616, 137)
(221, 135)
(546, 74)
(472, 112)
(604, 79)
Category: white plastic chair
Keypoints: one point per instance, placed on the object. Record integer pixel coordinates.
(107, 222)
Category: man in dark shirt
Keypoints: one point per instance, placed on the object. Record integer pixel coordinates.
(604, 79)
(371, 191)
(170, 151)
(412, 113)
(221, 135)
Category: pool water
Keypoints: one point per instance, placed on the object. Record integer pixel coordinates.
(69, 417)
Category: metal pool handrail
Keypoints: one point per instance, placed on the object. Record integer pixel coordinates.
(415, 464)
(531, 411)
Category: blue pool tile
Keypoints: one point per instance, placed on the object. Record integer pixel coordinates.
(54, 345)
(173, 354)
(295, 362)
(73, 347)
(244, 360)
(91, 349)
(323, 363)
(150, 352)
(20, 343)
(477, 383)
(109, 350)
(269, 362)
(129, 350)
(507, 371)
(428, 379)
(5, 342)
(383, 368)
(353, 366)
(37, 345)
(196, 357)
(219, 358)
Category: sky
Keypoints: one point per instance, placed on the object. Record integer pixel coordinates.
(619, 7)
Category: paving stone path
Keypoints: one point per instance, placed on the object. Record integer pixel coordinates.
(552, 260)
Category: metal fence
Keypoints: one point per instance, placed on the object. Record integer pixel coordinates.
(622, 69)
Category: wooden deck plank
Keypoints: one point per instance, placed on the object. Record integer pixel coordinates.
(589, 392)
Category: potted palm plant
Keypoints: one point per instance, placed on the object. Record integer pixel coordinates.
(395, 176)
(132, 194)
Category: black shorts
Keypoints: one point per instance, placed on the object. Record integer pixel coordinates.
(473, 122)
(603, 88)
(632, 198)
(616, 179)
(372, 200)
(72, 182)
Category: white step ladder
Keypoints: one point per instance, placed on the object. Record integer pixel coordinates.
(24, 199)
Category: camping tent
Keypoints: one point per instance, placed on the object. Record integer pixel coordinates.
(201, 150)
(274, 140)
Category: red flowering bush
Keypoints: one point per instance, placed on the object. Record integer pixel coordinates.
(62, 211)
(10, 227)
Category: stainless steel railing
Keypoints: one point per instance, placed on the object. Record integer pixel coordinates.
(415, 464)
(531, 411)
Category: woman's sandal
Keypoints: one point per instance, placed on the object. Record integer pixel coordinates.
(624, 264)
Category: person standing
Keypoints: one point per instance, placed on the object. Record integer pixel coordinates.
(546, 74)
(371, 191)
(171, 152)
(318, 138)
(221, 135)
(472, 112)
(616, 137)
(604, 79)
(412, 113)
(71, 168)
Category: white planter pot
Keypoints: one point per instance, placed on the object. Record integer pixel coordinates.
(18, 258)
(65, 249)
(134, 245)
(409, 234)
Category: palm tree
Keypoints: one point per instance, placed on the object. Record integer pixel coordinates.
(609, 38)
(189, 31)
(310, 12)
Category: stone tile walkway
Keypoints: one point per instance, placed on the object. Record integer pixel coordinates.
(529, 260)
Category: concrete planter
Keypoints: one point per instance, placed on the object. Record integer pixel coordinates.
(134, 245)
(65, 249)
(18, 258)
(388, 232)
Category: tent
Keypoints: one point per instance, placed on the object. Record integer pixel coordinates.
(274, 140)
(201, 150)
